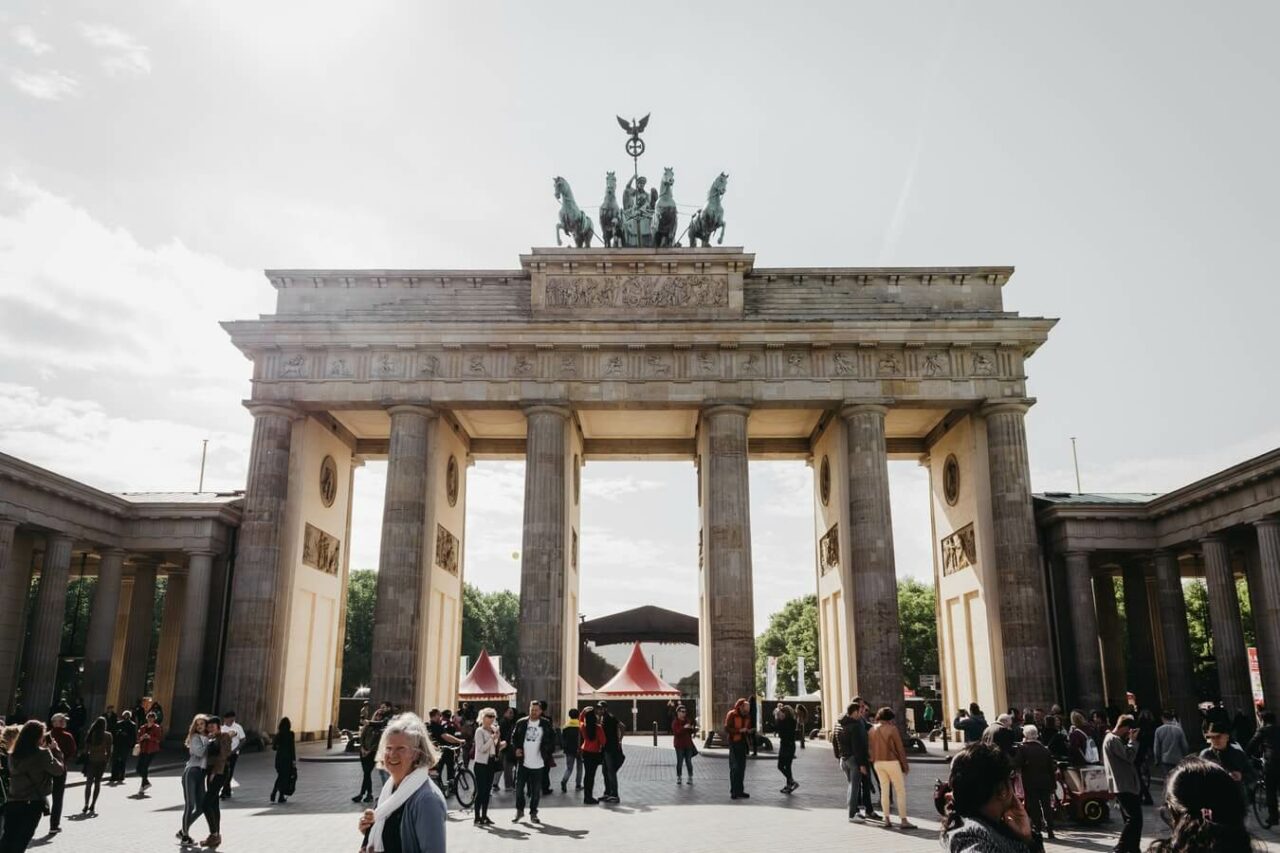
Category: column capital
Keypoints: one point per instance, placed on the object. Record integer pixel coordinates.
(1213, 538)
(59, 536)
(726, 407)
(111, 551)
(7, 521)
(547, 407)
(421, 409)
(201, 552)
(1087, 553)
(261, 409)
(1268, 522)
(1019, 405)
(872, 406)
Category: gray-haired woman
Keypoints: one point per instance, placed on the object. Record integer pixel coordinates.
(411, 812)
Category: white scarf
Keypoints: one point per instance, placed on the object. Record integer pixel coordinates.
(388, 802)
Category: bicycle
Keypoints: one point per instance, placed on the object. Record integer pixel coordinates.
(462, 782)
(1255, 792)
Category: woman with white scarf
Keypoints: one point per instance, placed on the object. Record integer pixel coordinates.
(411, 812)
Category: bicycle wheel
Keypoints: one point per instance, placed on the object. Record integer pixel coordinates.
(464, 787)
(1258, 796)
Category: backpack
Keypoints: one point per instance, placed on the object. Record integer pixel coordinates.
(1091, 751)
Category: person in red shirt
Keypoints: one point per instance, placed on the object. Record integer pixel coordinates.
(683, 729)
(591, 748)
(737, 732)
(149, 737)
(67, 743)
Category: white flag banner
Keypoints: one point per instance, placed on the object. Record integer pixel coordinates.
(771, 678)
(800, 691)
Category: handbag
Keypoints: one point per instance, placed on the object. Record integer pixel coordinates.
(289, 782)
(137, 750)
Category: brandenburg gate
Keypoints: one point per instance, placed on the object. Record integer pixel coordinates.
(634, 353)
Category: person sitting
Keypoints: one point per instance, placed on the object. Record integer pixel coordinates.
(984, 814)
(1204, 810)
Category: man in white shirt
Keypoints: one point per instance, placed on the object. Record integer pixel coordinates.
(535, 741)
(229, 724)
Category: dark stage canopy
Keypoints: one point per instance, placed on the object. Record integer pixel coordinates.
(646, 624)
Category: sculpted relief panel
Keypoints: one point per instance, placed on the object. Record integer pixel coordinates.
(320, 550)
(634, 291)
(959, 551)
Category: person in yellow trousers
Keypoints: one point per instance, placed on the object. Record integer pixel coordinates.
(889, 757)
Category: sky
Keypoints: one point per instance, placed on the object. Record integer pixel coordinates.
(155, 157)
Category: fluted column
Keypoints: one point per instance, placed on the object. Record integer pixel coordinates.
(14, 582)
(1028, 662)
(1137, 611)
(137, 639)
(543, 560)
(1266, 612)
(191, 641)
(1177, 643)
(45, 642)
(876, 628)
(402, 563)
(102, 629)
(251, 674)
(1111, 638)
(1084, 630)
(1228, 632)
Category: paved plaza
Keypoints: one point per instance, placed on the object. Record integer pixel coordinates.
(655, 813)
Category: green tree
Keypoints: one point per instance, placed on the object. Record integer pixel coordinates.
(491, 621)
(357, 646)
(1204, 664)
(917, 618)
(792, 633)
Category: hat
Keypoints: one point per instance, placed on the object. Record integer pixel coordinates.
(1218, 727)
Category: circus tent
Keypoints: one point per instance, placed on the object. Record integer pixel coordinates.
(484, 683)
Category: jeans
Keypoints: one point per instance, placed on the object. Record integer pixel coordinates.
(738, 766)
(367, 763)
(1131, 812)
(854, 775)
(868, 782)
(508, 771)
(192, 796)
(572, 763)
(610, 773)
(891, 777)
(20, 822)
(484, 788)
(784, 765)
(212, 808)
(55, 807)
(144, 766)
(528, 786)
(592, 761)
(684, 758)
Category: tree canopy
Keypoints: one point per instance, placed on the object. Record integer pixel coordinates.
(357, 644)
(491, 621)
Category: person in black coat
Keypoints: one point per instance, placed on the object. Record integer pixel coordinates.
(286, 761)
(784, 723)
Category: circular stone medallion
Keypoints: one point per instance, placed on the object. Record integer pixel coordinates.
(951, 480)
(451, 481)
(824, 481)
(328, 481)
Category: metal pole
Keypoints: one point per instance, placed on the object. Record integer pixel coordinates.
(204, 451)
(655, 732)
(1076, 460)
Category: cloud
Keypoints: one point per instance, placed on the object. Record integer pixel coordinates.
(123, 54)
(614, 488)
(45, 85)
(26, 37)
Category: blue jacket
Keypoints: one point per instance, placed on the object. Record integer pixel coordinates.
(422, 821)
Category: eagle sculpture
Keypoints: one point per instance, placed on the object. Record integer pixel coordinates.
(633, 127)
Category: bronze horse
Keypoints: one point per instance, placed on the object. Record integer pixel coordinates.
(665, 220)
(611, 213)
(710, 218)
(572, 221)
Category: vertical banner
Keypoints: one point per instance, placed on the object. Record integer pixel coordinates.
(1255, 674)
(800, 691)
(771, 678)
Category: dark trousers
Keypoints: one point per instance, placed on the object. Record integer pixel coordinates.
(866, 791)
(546, 779)
(144, 766)
(20, 822)
(55, 806)
(591, 760)
(508, 771)
(684, 758)
(484, 787)
(119, 766)
(1272, 781)
(528, 787)
(231, 772)
(211, 808)
(784, 765)
(367, 763)
(738, 766)
(610, 762)
(1131, 813)
(1039, 804)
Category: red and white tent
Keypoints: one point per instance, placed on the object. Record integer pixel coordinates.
(636, 680)
(585, 690)
(484, 683)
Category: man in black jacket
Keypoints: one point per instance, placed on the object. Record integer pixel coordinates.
(855, 760)
(535, 741)
(1266, 744)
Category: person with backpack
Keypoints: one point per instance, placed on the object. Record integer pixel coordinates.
(1081, 748)
(569, 738)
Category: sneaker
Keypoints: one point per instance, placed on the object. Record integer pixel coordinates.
(519, 817)
(564, 787)
(872, 816)
(591, 802)
(357, 798)
(679, 781)
(54, 830)
(785, 789)
(533, 816)
(794, 784)
(857, 817)
(745, 795)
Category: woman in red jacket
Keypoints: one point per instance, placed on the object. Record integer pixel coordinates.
(683, 730)
(149, 737)
(591, 748)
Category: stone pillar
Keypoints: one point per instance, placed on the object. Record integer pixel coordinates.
(1177, 644)
(102, 629)
(1024, 623)
(1084, 631)
(1266, 613)
(14, 583)
(191, 642)
(398, 618)
(172, 621)
(1111, 639)
(876, 628)
(45, 643)
(1228, 632)
(1137, 611)
(543, 559)
(253, 641)
(137, 641)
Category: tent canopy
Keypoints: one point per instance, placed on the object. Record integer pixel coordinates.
(585, 690)
(647, 624)
(484, 682)
(636, 680)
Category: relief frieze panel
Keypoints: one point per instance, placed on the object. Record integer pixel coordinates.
(637, 291)
(959, 550)
(320, 550)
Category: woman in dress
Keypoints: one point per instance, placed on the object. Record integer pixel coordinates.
(411, 813)
(97, 754)
(193, 776)
(286, 761)
(486, 757)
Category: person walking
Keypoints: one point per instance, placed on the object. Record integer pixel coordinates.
(126, 735)
(1266, 745)
(972, 724)
(546, 767)
(569, 738)
(236, 731)
(1203, 811)
(507, 726)
(984, 814)
(411, 814)
(682, 732)
(369, 735)
(35, 761)
(535, 742)
(1144, 758)
(150, 736)
(1119, 750)
(737, 734)
(1039, 772)
(484, 762)
(802, 723)
(97, 754)
(784, 723)
(286, 762)
(855, 760)
(67, 745)
(1170, 744)
(1002, 734)
(611, 757)
(1221, 752)
(193, 776)
(889, 757)
(591, 747)
(217, 759)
